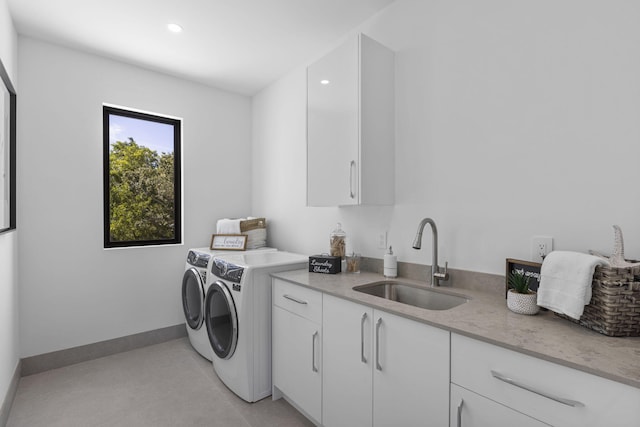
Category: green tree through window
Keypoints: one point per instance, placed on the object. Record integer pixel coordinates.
(142, 187)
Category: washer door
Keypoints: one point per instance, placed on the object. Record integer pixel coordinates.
(221, 320)
(193, 298)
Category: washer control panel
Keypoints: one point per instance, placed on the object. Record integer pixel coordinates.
(198, 259)
(226, 270)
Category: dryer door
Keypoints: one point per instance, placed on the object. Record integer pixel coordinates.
(221, 319)
(193, 298)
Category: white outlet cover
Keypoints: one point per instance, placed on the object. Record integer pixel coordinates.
(382, 240)
(540, 245)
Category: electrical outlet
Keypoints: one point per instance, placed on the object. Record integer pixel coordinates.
(540, 247)
(382, 240)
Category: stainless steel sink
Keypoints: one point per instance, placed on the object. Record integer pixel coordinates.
(410, 294)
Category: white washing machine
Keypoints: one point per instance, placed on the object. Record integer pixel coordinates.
(194, 288)
(238, 318)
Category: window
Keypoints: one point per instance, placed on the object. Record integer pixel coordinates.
(142, 188)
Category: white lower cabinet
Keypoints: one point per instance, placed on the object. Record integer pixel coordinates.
(345, 364)
(554, 394)
(297, 347)
(469, 409)
(381, 369)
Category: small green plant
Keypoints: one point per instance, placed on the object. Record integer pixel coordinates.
(519, 282)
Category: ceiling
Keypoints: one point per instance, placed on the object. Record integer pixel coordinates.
(237, 45)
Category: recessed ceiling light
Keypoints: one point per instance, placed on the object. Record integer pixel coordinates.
(174, 28)
(324, 82)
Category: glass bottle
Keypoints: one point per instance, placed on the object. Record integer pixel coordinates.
(337, 241)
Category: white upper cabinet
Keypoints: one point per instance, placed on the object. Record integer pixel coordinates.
(350, 126)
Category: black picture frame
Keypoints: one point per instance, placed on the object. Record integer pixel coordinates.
(8, 101)
(530, 268)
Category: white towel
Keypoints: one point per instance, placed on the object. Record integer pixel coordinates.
(228, 226)
(565, 282)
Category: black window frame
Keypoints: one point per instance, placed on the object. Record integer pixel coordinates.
(5, 82)
(108, 110)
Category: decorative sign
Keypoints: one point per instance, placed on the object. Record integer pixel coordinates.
(230, 242)
(528, 268)
(325, 264)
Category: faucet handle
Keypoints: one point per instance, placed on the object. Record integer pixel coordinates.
(443, 276)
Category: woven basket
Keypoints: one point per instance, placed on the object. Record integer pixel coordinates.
(252, 224)
(614, 309)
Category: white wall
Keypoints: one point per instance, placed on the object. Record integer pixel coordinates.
(9, 338)
(73, 292)
(514, 119)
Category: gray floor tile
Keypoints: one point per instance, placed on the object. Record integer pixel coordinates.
(167, 384)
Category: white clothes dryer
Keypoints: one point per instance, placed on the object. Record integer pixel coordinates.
(193, 292)
(194, 288)
(238, 318)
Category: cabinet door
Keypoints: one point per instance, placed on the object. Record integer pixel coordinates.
(346, 361)
(296, 360)
(333, 128)
(469, 409)
(377, 123)
(411, 373)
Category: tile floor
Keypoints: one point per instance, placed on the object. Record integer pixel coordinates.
(167, 384)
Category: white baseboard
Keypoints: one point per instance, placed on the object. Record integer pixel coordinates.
(58, 359)
(11, 394)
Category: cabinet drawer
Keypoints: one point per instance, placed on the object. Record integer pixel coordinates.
(552, 393)
(297, 299)
(469, 409)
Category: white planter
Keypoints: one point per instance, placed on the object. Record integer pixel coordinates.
(522, 303)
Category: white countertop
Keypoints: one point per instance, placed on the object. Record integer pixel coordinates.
(486, 317)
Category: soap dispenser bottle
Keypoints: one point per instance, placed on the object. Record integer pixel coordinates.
(390, 264)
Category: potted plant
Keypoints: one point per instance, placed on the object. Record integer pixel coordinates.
(521, 299)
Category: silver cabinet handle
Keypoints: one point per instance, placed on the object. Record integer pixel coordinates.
(378, 323)
(362, 358)
(294, 299)
(460, 413)
(314, 368)
(568, 402)
(352, 167)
